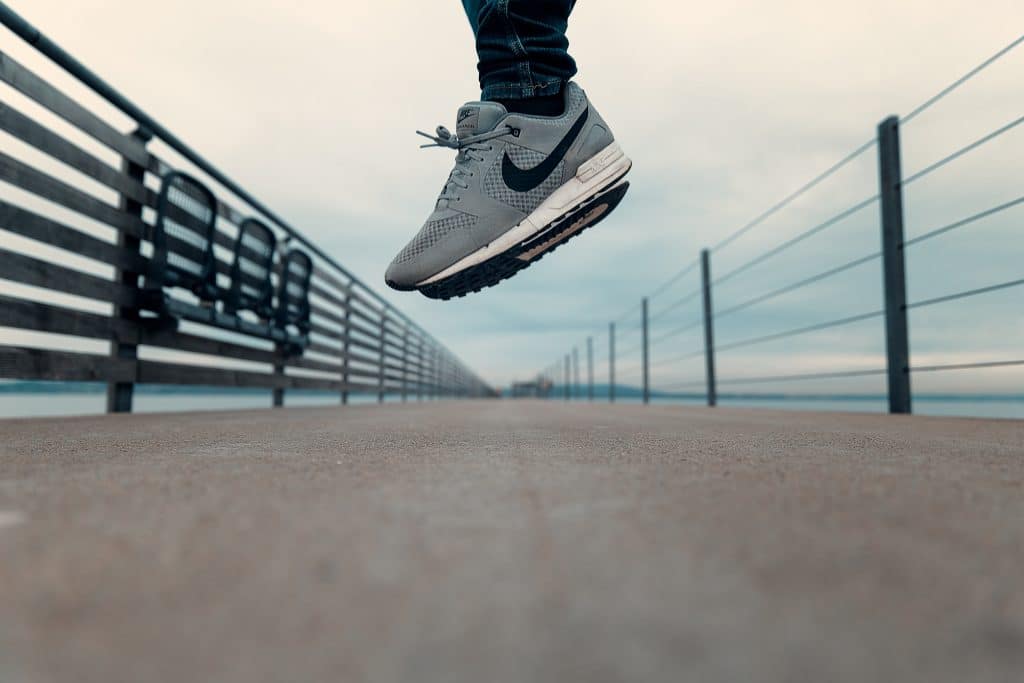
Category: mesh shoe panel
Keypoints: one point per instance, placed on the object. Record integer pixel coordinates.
(434, 232)
(494, 185)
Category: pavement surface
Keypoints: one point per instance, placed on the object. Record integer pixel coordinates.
(504, 541)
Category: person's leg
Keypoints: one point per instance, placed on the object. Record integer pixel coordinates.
(522, 48)
(536, 164)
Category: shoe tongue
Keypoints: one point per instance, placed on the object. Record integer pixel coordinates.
(478, 117)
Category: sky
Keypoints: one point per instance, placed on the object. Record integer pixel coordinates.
(725, 108)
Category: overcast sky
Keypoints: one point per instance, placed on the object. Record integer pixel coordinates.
(724, 107)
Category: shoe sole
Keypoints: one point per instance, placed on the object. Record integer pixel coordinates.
(598, 177)
(505, 265)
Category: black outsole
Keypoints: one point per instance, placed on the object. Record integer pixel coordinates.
(505, 265)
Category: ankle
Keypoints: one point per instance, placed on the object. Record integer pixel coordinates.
(542, 105)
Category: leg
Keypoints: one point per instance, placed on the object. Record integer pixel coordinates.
(521, 46)
(536, 162)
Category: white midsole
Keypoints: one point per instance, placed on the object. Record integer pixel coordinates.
(608, 164)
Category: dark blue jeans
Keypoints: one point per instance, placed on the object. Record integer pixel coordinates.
(521, 46)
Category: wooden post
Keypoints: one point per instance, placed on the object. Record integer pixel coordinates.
(278, 395)
(897, 338)
(120, 394)
(380, 369)
(346, 345)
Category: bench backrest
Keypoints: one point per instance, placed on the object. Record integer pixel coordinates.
(183, 237)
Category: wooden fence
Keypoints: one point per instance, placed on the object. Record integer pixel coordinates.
(83, 191)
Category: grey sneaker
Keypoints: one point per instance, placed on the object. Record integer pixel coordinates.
(521, 187)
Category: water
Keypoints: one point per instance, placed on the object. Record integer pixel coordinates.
(994, 407)
(57, 404)
(69, 404)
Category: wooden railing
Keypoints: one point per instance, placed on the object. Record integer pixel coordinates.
(82, 197)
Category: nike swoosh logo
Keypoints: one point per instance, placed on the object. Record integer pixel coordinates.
(524, 180)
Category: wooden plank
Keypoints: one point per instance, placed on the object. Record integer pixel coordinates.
(32, 271)
(394, 327)
(326, 350)
(23, 222)
(318, 291)
(40, 317)
(154, 372)
(43, 185)
(63, 366)
(180, 341)
(329, 278)
(52, 144)
(310, 364)
(360, 344)
(35, 88)
(357, 358)
(369, 374)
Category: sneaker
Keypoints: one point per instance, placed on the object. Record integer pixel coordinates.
(522, 186)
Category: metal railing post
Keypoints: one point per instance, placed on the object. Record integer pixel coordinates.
(565, 388)
(419, 368)
(438, 374)
(897, 341)
(346, 344)
(380, 369)
(709, 329)
(278, 395)
(645, 356)
(575, 372)
(611, 362)
(405, 365)
(590, 368)
(120, 394)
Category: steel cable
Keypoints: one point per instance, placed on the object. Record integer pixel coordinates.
(799, 238)
(791, 198)
(967, 366)
(676, 332)
(675, 278)
(927, 104)
(686, 299)
(800, 330)
(797, 285)
(964, 222)
(962, 151)
(964, 294)
(787, 378)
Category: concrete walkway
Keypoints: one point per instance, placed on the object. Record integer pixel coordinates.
(494, 542)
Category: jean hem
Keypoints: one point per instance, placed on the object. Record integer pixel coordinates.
(520, 91)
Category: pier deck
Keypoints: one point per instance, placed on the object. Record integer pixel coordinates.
(511, 541)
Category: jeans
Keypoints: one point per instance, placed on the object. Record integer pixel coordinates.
(521, 46)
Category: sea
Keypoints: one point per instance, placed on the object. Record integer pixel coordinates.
(55, 403)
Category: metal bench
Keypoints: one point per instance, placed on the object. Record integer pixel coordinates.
(293, 310)
(183, 257)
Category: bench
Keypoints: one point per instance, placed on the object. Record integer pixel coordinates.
(183, 257)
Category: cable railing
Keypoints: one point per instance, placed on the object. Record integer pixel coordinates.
(682, 328)
(183, 285)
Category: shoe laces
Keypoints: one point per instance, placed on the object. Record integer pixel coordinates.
(470, 150)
